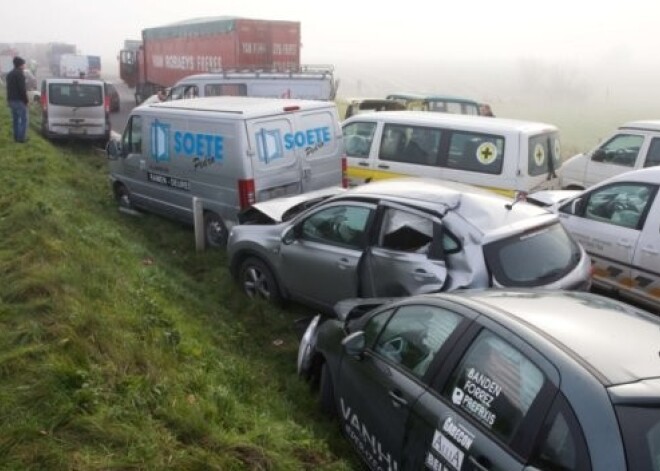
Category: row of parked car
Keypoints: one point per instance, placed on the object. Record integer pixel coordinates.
(513, 365)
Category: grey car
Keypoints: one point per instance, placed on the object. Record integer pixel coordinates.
(496, 380)
(400, 237)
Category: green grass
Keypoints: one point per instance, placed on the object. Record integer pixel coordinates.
(121, 347)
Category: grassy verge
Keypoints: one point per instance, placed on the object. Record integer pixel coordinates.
(122, 348)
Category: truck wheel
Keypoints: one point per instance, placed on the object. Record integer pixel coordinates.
(122, 196)
(258, 281)
(327, 393)
(215, 231)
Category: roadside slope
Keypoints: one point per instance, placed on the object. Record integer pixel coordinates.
(122, 348)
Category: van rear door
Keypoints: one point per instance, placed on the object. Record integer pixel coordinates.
(295, 153)
(76, 109)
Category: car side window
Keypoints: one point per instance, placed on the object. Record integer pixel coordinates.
(495, 384)
(475, 152)
(375, 326)
(414, 335)
(622, 150)
(131, 141)
(561, 445)
(404, 231)
(622, 204)
(341, 225)
(653, 155)
(410, 144)
(358, 138)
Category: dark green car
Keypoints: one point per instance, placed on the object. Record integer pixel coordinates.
(491, 380)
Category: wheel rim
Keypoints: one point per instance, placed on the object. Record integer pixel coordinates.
(255, 283)
(123, 198)
(215, 233)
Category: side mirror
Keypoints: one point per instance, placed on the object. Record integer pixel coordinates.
(289, 235)
(598, 155)
(113, 149)
(576, 205)
(355, 344)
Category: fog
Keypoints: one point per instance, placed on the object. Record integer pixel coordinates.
(585, 66)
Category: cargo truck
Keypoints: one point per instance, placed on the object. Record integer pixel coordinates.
(54, 54)
(172, 52)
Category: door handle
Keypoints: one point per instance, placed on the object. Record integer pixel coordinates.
(383, 166)
(343, 263)
(650, 250)
(421, 274)
(397, 399)
(482, 463)
(624, 243)
(363, 164)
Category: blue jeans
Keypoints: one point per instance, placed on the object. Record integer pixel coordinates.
(19, 116)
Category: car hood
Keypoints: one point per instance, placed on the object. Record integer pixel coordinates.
(282, 209)
(551, 197)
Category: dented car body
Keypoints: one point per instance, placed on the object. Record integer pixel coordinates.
(401, 237)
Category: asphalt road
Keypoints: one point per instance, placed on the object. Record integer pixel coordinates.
(126, 104)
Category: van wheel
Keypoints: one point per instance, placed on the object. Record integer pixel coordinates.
(215, 231)
(327, 393)
(122, 196)
(258, 281)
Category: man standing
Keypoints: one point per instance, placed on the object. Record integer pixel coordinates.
(18, 99)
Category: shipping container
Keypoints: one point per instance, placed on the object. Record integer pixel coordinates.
(170, 53)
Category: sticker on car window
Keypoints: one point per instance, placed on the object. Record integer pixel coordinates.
(486, 153)
(477, 395)
(539, 155)
(448, 451)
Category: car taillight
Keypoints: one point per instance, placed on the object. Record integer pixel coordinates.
(106, 103)
(44, 101)
(246, 194)
(344, 172)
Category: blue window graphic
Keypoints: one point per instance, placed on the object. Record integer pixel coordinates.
(160, 137)
(269, 145)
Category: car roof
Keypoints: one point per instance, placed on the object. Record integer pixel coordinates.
(644, 125)
(485, 210)
(431, 97)
(239, 107)
(617, 342)
(423, 118)
(74, 80)
(643, 175)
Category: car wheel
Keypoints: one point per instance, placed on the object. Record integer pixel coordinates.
(215, 231)
(327, 393)
(122, 196)
(258, 281)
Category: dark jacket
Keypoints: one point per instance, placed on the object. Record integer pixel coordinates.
(16, 90)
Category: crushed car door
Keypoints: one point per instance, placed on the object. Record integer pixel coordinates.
(320, 264)
(405, 256)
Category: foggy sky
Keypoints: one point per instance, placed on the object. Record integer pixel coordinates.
(342, 31)
(584, 65)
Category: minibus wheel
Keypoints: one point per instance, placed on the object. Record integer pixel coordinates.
(215, 231)
(122, 196)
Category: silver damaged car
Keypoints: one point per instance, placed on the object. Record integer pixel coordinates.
(399, 237)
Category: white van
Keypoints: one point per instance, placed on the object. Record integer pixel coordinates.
(633, 145)
(309, 84)
(228, 151)
(508, 156)
(74, 109)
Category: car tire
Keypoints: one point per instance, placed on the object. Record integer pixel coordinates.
(215, 230)
(257, 281)
(327, 393)
(123, 196)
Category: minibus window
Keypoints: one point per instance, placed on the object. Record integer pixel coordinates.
(481, 153)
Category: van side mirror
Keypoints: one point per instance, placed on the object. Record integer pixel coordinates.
(113, 149)
(355, 344)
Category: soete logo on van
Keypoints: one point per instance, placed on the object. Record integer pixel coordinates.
(271, 144)
(209, 147)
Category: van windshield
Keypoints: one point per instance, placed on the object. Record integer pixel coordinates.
(75, 94)
(641, 435)
(544, 154)
(534, 258)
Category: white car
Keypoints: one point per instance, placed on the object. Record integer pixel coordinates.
(618, 223)
(633, 145)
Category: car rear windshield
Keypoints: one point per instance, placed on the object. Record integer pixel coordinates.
(641, 435)
(75, 94)
(533, 258)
